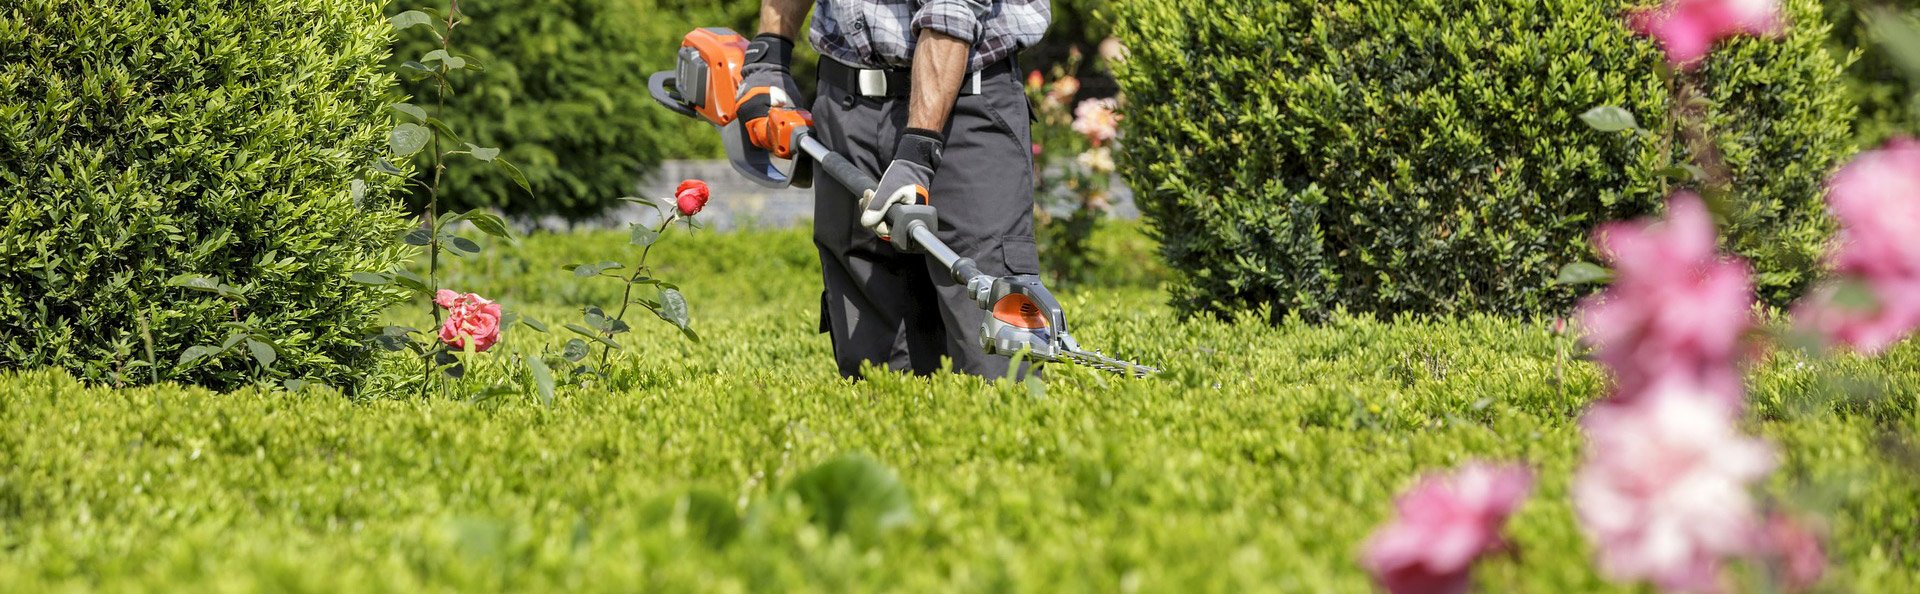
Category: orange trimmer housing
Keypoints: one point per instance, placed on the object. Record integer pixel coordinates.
(710, 60)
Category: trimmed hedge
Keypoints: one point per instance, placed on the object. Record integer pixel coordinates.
(564, 94)
(1258, 463)
(149, 142)
(1389, 156)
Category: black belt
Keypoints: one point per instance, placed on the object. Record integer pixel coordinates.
(894, 82)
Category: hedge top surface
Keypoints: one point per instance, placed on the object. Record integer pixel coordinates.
(1257, 464)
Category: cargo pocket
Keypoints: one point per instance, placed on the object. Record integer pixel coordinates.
(1019, 255)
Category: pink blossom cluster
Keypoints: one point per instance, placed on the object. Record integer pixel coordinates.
(1663, 488)
(1445, 523)
(1877, 201)
(1676, 311)
(469, 317)
(1687, 29)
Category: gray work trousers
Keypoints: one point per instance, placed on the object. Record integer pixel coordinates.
(903, 310)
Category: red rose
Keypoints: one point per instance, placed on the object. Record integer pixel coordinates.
(690, 197)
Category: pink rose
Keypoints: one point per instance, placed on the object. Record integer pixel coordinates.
(469, 316)
(1687, 29)
(1663, 488)
(1675, 310)
(690, 197)
(1876, 198)
(1445, 524)
(1097, 120)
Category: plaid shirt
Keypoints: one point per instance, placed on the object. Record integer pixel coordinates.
(882, 33)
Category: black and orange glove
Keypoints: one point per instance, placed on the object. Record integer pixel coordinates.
(906, 180)
(766, 79)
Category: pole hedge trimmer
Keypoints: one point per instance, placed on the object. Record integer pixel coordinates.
(774, 150)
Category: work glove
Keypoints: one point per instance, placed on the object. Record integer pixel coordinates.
(906, 180)
(767, 67)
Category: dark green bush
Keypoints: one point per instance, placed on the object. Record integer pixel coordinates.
(1392, 156)
(565, 95)
(149, 142)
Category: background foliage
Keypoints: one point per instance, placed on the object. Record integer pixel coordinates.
(1256, 464)
(172, 172)
(1385, 156)
(1873, 80)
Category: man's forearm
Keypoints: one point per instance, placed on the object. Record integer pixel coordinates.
(783, 17)
(939, 66)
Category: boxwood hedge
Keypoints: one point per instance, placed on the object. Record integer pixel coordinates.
(1426, 156)
(174, 170)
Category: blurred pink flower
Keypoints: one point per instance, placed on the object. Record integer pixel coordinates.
(1063, 91)
(1676, 309)
(1687, 29)
(1877, 200)
(1794, 550)
(1112, 50)
(1663, 488)
(1097, 120)
(469, 316)
(1445, 523)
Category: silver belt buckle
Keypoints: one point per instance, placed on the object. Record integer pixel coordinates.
(873, 83)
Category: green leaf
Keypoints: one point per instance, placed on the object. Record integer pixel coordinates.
(489, 224)
(1608, 118)
(411, 110)
(536, 325)
(854, 495)
(643, 235)
(1582, 273)
(408, 139)
(262, 352)
(673, 308)
(411, 280)
(589, 333)
(419, 237)
(197, 283)
(464, 245)
(434, 56)
(411, 18)
(416, 66)
(514, 173)
(357, 190)
(542, 379)
(370, 278)
(383, 166)
(196, 353)
(481, 152)
(445, 130)
(642, 201)
(575, 350)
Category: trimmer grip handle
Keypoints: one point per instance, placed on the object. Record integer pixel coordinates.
(660, 85)
(844, 171)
